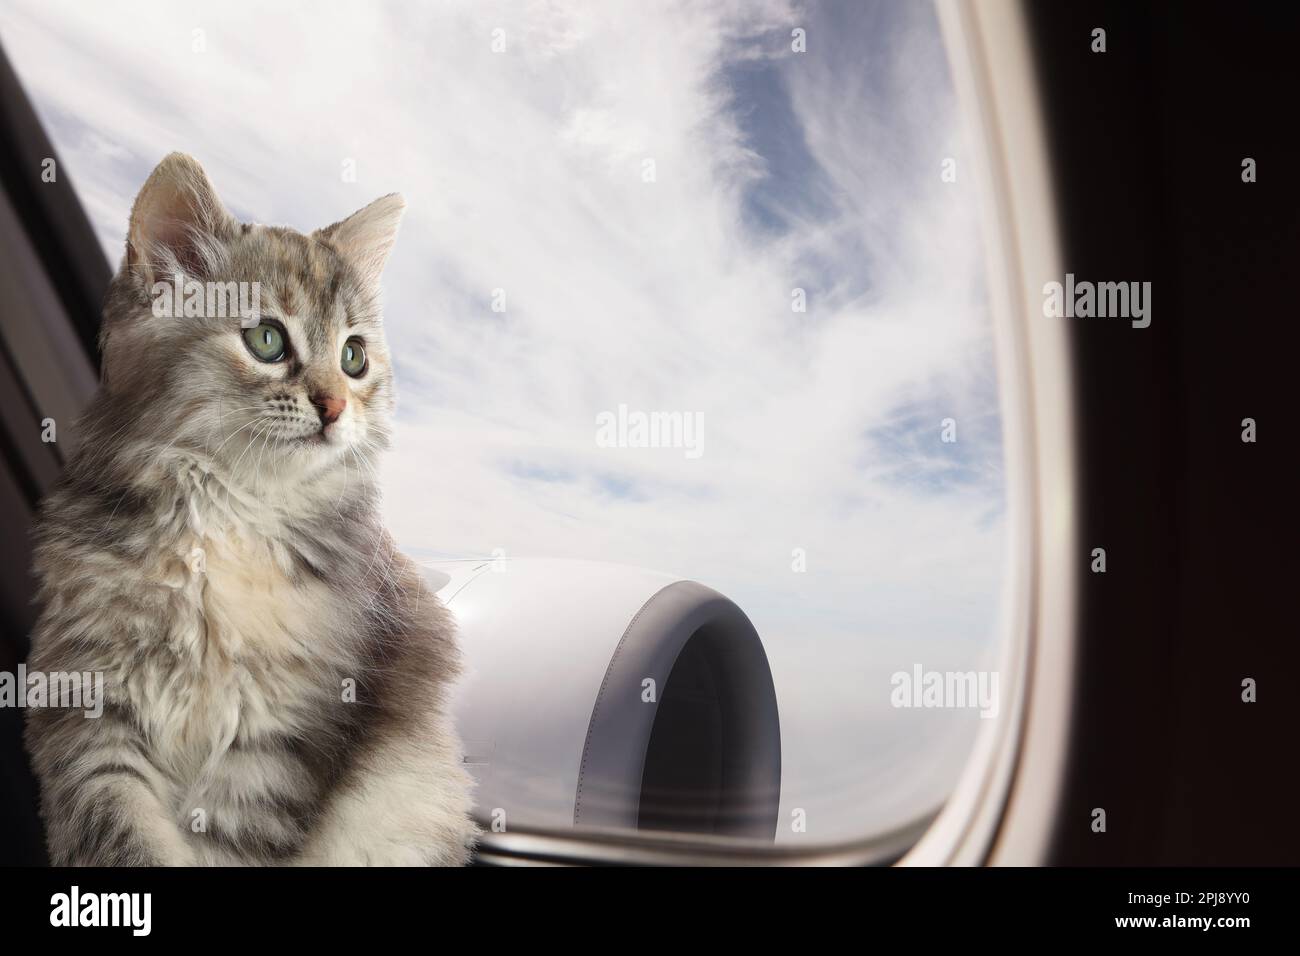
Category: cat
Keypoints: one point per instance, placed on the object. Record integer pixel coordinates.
(276, 673)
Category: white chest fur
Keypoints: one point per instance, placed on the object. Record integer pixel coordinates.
(253, 649)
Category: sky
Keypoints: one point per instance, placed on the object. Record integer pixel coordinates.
(615, 207)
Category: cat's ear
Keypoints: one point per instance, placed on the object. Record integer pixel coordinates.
(366, 237)
(177, 222)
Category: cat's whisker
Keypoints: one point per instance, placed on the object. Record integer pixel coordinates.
(258, 467)
(252, 421)
(234, 469)
(222, 412)
(338, 505)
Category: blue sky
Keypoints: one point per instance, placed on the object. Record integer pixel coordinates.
(524, 171)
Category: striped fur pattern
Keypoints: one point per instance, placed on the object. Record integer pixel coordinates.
(275, 671)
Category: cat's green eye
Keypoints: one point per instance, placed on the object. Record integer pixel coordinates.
(354, 358)
(265, 341)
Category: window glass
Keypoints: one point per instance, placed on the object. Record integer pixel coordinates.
(757, 216)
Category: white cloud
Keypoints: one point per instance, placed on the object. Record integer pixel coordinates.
(523, 172)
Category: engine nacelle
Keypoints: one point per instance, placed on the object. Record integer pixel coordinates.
(597, 695)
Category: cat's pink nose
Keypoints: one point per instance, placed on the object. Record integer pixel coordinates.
(330, 408)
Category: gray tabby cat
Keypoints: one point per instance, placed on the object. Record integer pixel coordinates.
(275, 671)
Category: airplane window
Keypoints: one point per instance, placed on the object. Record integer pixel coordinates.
(690, 320)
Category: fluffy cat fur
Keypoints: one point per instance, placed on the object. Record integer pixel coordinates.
(216, 552)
